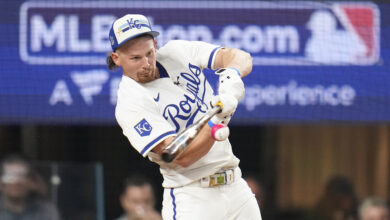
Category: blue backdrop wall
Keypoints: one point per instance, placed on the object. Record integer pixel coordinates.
(313, 62)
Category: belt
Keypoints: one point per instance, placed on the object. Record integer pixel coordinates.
(222, 177)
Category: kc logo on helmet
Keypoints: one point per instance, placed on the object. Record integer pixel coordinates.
(129, 25)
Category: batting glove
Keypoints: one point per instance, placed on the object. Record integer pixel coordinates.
(229, 105)
(230, 82)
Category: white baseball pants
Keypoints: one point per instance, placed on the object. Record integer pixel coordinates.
(228, 202)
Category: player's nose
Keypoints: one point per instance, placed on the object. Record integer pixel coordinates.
(145, 62)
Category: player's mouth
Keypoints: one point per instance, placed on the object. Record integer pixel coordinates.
(145, 74)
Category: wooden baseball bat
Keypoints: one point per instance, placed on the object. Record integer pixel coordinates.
(184, 138)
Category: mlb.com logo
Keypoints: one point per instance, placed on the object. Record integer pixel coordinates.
(275, 33)
(346, 34)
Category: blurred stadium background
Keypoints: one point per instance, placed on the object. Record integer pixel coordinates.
(317, 103)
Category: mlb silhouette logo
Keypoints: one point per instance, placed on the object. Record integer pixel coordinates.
(143, 128)
(347, 34)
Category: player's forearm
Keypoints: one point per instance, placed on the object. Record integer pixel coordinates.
(197, 149)
(231, 57)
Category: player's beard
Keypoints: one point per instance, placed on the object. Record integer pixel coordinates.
(147, 76)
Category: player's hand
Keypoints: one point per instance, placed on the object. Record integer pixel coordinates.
(229, 105)
(230, 82)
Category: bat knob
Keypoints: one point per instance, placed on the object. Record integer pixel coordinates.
(167, 157)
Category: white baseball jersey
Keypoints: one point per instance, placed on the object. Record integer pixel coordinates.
(151, 112)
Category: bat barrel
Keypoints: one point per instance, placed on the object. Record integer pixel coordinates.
(174, 149)
(181, 142)
(168, 157)
(169, 154)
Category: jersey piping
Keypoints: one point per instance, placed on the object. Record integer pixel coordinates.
(146, 148)
(209, 65)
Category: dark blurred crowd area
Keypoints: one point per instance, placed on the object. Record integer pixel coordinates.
(73, 193)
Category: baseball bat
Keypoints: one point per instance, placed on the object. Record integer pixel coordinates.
(185, 138)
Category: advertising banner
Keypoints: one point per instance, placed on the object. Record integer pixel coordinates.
(313, 62)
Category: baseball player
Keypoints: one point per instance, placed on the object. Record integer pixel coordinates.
(164, 91)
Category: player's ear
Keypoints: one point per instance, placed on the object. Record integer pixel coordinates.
(115, 58)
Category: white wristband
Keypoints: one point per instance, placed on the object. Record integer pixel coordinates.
(222, 70)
